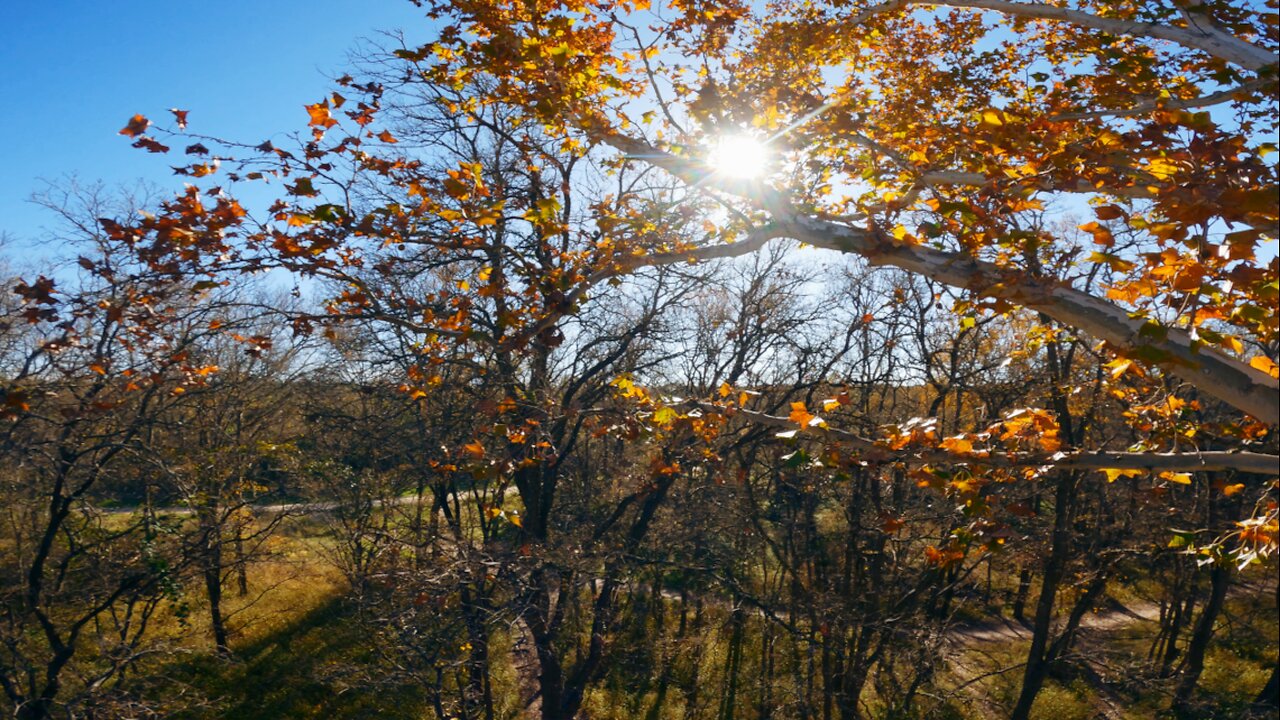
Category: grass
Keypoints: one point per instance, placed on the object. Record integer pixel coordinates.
(303, 670)
(1059, 702)
(299, 653)
(294, 647)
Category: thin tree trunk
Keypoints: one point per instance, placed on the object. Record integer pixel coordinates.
(213, 587)
(1193, 665)
(1038, 664)
(212, 572)
(242, 564)
(730, 697)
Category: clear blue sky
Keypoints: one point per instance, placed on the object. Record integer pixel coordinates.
(72, 72)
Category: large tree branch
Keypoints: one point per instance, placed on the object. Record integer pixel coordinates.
(1250, 462)
(1202, 36)
(1152, 104)
(1209, 370)
(1213, 372)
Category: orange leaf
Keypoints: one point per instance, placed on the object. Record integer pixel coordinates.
(800, 415)
(320, 115)
(138, 124)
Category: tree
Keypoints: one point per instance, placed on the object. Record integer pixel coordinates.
(216, 449)
(562, 156)
(91, 366)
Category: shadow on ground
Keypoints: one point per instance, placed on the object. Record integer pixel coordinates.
(314, 667)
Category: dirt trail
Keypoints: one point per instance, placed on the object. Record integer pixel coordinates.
(968, 655)
(1005, 629)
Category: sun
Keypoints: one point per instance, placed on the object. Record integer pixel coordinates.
(739, 156)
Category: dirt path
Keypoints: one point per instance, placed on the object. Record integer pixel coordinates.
(967, 664)
(1006, 630)
(971, 658)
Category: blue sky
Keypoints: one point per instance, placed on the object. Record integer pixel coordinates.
(72, 72)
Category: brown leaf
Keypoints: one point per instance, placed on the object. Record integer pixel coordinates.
(150, 145)
(1110, 212)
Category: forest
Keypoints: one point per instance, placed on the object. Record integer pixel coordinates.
(706, 359)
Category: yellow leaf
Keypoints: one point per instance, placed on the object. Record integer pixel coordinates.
(1114, 474)
(1264, 364)
(992, 117)
(725, 390)
(1119, 366)
(1230, 490)
(959, 445)
(1179, 478)
(665, 416)
(1162, 169)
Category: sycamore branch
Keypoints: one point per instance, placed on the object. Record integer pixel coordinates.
(1151, 104)
(1213, 372)
(977, 179)
(869, 450)
(1202, 36)
(1209, 370)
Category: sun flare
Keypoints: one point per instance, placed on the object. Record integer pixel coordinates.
(739, 156)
